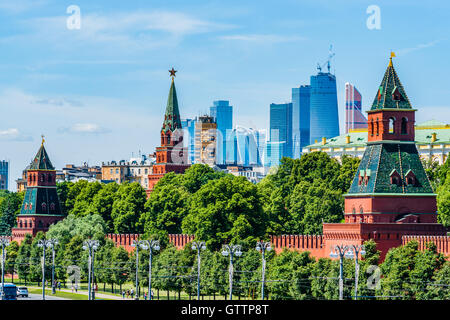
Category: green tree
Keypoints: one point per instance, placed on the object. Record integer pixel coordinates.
(9, 208)
(128, 207)
(443, 202)
(12, 252)
(23, 258)
(102, 204)
(85, 198)
(226, 210)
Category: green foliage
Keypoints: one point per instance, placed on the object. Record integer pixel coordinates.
(10, 203)
(443, 202)
(226, 210)
(128, 208)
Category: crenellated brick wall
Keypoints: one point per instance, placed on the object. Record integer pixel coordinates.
(312, 243)
(442, 243)
(124, 240)
(180, 240)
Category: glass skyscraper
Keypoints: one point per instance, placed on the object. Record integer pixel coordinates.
(188, 126)
(222, 113)
(324, 121)
(354, 117)
(300, 119)
(4, 174)
(280, 132)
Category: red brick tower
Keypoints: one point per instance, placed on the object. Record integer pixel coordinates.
(171, 156)
(391, 195)
(40, 207)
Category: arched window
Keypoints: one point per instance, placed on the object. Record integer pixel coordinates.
(353, 210)
(371, 127)
(44, 206)
(404, 125)
(377, 127)
(52, 206)
(392, 125)
(361, 210)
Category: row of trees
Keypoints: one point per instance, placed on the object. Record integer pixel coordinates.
(406, 273)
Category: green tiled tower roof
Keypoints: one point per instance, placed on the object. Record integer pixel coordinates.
(172, 120)
(41, 160)
(391, 94)
(382, 160)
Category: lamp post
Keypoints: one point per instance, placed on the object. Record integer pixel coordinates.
(354, 251)
(91, 246)
(46, 243)
(52, 243)
(263, 247)
(4, 242)
(340, 251)
(231, 250)
(148, 245)
(200, 245)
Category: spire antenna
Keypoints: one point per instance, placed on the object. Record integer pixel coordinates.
(172, 73)
(43, 139)
(390, 59)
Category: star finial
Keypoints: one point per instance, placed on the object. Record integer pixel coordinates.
(172, 73)
(43, 140)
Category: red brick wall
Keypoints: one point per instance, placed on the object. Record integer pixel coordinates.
(312, 243)
(442, 243)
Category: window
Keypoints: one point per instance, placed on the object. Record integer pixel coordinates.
(377, 126)
(371, 127)
(44, 206)
(361, 210)
(111, 171)
(52, 206)
(392, 125)
(117, 171)
(404, 125)
(353, 210)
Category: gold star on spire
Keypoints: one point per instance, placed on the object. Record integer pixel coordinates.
(390, 59)
(172, 73)
(43, 140)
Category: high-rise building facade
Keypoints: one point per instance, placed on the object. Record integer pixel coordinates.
(280, 141)
(189, 137)
(354, 117)
(4, 174)
(324, 121)
(245, 146)
(205, 140)
(300, 119)
(222, 113)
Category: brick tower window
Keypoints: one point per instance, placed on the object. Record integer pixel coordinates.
(404, 125)
(392, 125)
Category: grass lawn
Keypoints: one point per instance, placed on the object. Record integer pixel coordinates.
(66, 295)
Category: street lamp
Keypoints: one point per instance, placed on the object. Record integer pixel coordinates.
(47, 243)
(263, 247)
(52, 243)
(148, 245)
(355, 251)
(4, 242)
(198, 246)
(340, 251)
(91, 246)
(231, 250)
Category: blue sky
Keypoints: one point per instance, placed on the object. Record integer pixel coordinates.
(99, 93)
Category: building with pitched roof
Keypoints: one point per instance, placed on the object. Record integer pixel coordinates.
(40, 207)
(171, 156)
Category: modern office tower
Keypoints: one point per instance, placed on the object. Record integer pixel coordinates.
(300, 118)
(324, 121)
(189, 137)
(281, 126)
(4, 174)
(261, 138)
(205, 140)
(354, 117)
(222, 113)
(274, 153)
(245, 146)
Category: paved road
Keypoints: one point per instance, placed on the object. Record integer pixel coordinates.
(33, 296)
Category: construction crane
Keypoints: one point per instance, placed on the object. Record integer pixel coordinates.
(330, 55)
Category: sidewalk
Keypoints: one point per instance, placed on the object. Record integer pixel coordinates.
(85, 292)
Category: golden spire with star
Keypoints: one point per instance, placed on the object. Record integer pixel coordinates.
(43, 140)
(172, 73)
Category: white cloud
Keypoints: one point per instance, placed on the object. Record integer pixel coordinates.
(84, 128)
(18, 6)
(402, 52)
(262, 38)
(13, 134)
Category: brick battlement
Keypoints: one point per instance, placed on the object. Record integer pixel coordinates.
(442, 243)
(311, 243)
(124, 240)
(180, 240)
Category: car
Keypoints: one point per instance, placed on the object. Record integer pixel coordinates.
(8, 291)
(22, 292)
